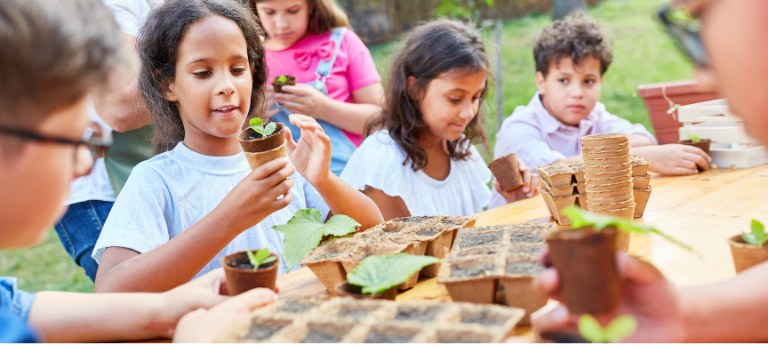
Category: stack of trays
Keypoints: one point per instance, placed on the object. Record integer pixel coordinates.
(608, 175)
(499, 259)
(431, 236)
(376, 321)
(563, 184)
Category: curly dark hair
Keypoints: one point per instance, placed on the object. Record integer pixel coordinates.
(432, 49)
(159, 42)
(577, 37)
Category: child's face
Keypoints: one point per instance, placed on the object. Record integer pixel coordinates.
(569, 93)
(450, 101)
(35, 181)
(285, 21)
(213, 83)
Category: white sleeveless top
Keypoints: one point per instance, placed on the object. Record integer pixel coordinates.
(378, 163)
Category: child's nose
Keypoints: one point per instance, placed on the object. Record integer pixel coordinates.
(226, 85)
(467, 111)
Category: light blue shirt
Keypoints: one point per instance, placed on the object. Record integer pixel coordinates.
(169, 193)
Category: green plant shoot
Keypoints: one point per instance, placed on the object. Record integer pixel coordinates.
(282, 78)
(378, 273)
(619, 328)
(757, 236)
(261, 257)
(581, 219)
(258, 126)
(305, 230)
(694, 138)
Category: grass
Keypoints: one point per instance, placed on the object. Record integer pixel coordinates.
(642, 54)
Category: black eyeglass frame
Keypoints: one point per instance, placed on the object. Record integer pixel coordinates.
(94, 143)
(686, 38)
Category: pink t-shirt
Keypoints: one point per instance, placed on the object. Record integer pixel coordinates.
(352, 70)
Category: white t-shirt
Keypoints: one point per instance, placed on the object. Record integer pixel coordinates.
(378, 163)
(131, 14)
(169, 193)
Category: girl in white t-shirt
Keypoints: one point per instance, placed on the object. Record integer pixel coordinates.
(203, 73)
(421, 160)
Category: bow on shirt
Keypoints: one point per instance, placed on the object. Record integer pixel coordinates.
(304, 57)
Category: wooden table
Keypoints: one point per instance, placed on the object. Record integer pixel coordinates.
(701, 210)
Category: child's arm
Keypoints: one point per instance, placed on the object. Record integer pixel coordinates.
(88, 317)
(179, 259)
(312, 158)
(673, 159)
(390, 206)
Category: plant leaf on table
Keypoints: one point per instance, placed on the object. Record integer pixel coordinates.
(378, 273)
(305, 230)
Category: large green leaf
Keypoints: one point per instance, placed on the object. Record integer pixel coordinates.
(378, 273)
(305, 230)
(757, 236)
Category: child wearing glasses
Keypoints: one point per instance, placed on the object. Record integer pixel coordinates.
(571, 56)
(54, 54)
(203, 73)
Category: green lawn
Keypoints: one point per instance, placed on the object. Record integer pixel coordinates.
(642, 54)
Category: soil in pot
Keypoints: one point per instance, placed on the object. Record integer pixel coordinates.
(343, 288)
(241, 277)
(262, 150)
(507, 172)
(283, 80)
(746, 255)
(586, 261)
(467, 239)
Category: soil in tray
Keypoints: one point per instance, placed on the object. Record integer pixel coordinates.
(315, 336)
(377, 337)
(526, 248)
(470, 240)
(262, 332)
(459, 270)
(295, 307)
(421, 314)
(354, 313)
(484, 317)
(524, 268)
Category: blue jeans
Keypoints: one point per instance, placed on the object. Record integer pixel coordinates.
(80, 228)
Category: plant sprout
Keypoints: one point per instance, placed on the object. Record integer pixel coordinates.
(694, 138)
(261, 257)
(258, 126)
(282, 78)
(619, 328)
(757, 236)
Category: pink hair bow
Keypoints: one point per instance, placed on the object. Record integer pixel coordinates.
(304, 57)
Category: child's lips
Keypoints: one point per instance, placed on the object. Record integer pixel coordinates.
(225, 110)
(577, 108)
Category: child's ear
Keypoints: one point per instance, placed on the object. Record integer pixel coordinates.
(168, 93)
(540, 79)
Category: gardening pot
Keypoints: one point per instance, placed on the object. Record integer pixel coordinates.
(507, 172)
(262, 150)
(241, 280)
(279, 85)
(703, 144)
(746, 255)
(343, 288)
(586, 261)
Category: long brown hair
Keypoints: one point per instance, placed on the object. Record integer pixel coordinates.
(324, 15)
(430, 50)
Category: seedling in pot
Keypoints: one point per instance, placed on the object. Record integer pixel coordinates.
(260, 258)
(263, 130)
(379, 273)
(619, 328)
(693, 137)
(757, 236)
(306, 230)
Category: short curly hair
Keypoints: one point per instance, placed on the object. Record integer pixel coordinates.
(576, 37)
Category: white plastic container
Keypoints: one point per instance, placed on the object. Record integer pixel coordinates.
(706, 112)
(738, 156)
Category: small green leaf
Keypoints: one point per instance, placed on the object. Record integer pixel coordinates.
(378, 273)
(620, 328)
(269, 129)
(590, 329)
(757, 235)
(256, 122)
(262, 256)
(305, 230)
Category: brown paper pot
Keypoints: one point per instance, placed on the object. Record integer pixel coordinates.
(581, 188)
(279, 85)
(640, 169)
(586, 261)
(556, 178)
(613, 154)
(626, 213)
(641, 182)
(625, 186)
(478, 290)
(242, 280)
(260, 151)
(343, 288)
(417, 248)
(641, 200)
(583, 201)
(746, 255)
(597, 205)
(703, 144)
(438, 248)
(507, 172)
(579, 176)
(558, 204)
(520, 292)
(329, 272)
(593, 174)
(608, 180)
(558, 191)
(604, 140)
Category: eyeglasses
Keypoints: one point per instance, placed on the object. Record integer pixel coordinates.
(684, 30)
(92, 140)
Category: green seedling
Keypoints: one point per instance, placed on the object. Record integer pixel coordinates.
(582, 219)
(378, 273)
(258, 126)
(261, 257)
(619, 328)
(282, 79)
(693, 137)
(305, 230)
(757, 236)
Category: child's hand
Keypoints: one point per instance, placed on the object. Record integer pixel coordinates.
(312, 155)
(529, 188)
(673, 159)
(256, 196)
(302, 99)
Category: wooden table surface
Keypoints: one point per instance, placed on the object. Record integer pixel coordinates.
(701, 210)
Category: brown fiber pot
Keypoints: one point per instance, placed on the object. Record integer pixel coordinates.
(262, 150)
(343, 288)
(242, 280)
(703, 144)
(746, 255)
(586, 261)
(507, 172)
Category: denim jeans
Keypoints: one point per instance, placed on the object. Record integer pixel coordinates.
(80, 228)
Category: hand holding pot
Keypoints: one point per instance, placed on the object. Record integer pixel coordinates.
(646, 295)
(203, 292)
(312, 154)
(302, 99)
(673, 159)
(529, 188)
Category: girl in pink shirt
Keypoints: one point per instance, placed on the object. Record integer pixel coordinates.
(337, 81)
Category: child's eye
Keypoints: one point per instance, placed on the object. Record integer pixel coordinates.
(590, 81)
(563, 80)
(269, 12)
(293, 11)
(454, 100)
(239, 70)
(202, 73)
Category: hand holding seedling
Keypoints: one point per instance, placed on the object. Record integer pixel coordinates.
(312, 154)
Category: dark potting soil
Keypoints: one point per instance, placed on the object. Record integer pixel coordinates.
(527, 268)
(253, 136)
(354, 313)
(479, 250)
(246, 265)
(532, 236)
(465, 338)
(262, 332)
(421, 314)
(459, 270)
(526, 248)
(469, 240)
(295, 307)
(484, 317)
(314, 336)
(376, 337)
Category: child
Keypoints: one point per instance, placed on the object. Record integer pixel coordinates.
(339, 86)
(203, 73)
(571, 57)
(421, 161)
(54, 54)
